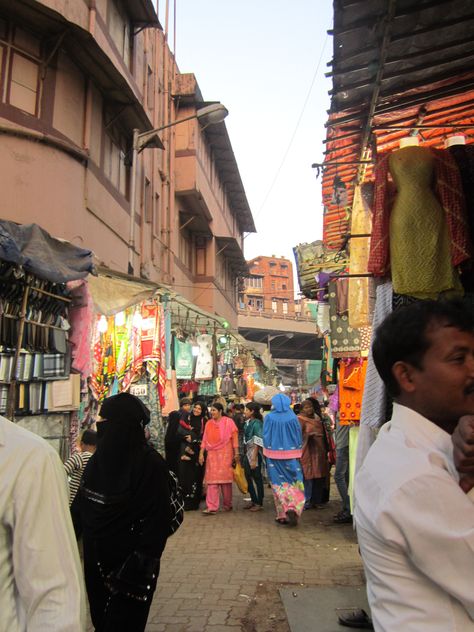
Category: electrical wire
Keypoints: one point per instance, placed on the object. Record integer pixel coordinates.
(287, 151)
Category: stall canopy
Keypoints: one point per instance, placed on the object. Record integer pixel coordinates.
(51, 259)
(400, 68)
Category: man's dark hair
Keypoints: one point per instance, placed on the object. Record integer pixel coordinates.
(184, 401)
(89, 437)
(239, 407)
(402, 335)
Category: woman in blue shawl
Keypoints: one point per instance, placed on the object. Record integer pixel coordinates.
(282, 443)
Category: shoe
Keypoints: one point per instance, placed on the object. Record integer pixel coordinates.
(208, 512)
(227, 508)
(356, 619)
(256, 508)
(249, 506)
(342, 518)
(292, 518)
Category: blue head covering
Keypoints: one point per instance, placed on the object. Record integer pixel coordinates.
(281, 428)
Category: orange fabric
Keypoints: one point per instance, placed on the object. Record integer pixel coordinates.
(219, 461)
(351, 389)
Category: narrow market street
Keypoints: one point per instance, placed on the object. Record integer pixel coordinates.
(223, 572)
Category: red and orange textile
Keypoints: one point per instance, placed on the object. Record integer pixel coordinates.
(351, 388)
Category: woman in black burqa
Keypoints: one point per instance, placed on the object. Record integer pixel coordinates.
(190, 472)
(126, 515)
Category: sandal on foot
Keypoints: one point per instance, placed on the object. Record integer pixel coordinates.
(356, 619)
(256, 508)
(281, 520)
(209, 512)
(342, 518)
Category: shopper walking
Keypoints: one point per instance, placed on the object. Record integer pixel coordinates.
(221, 445)
(314, 459)
(282, 443)
(253, 457)
(126, 517)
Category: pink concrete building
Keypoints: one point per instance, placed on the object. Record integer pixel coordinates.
(76, 78)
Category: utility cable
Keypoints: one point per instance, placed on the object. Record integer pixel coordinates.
(285, 155)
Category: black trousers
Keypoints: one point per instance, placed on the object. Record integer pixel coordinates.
(254, 480)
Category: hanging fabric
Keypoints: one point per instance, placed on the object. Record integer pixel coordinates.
(183, 360)
(345, 340)
(359, 287)
(204, 359)
(422, 267)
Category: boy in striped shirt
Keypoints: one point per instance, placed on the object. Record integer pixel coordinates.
(74, 467)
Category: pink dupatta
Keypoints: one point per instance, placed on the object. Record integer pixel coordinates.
(218, 434)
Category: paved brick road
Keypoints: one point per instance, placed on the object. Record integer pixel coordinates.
(222, 572)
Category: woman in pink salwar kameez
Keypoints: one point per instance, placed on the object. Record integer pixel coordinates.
(221, 443)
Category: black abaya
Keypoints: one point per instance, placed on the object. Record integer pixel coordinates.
(190, 473)
(125, 509)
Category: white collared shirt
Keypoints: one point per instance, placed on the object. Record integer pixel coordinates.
(41, 583)
(415, 528)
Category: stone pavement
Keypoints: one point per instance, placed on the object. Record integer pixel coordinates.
(223, 572)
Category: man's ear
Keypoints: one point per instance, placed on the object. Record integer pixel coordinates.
(403, 373)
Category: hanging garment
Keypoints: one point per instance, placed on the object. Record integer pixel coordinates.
(375, 396)
(322, 318)
(171, 395)
(81, 318)
(345, 340)
(359, 288)
(419, 267)
(464, 157)
(241, 387)
(351, 388)
(183, 360)
(204, 360)
(208, 388)
(342, 296)
(227, 386)
(150, 331)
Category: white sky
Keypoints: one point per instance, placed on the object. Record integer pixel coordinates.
(265, 61)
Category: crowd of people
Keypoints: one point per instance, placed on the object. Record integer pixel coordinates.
(290, 449)
(413, 493)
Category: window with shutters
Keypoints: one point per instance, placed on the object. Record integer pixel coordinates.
(20, 65)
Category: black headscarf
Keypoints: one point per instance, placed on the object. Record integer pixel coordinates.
(194, 423)
(123, 479)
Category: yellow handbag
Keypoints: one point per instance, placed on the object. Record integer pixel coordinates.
(239, 478)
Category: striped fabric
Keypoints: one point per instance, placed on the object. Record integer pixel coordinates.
(74, 467)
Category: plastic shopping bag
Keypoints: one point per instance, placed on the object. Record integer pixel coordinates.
(239, 478)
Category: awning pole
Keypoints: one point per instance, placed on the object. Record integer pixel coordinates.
(13, 379)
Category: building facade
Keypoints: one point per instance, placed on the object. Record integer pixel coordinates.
(268, 287)
(76, 78)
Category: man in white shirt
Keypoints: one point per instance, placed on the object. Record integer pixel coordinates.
(415, 524)
(41, 584)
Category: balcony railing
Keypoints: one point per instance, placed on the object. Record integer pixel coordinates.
(253, 311)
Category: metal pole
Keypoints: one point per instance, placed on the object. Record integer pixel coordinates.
(133, 186)
(13, 380)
